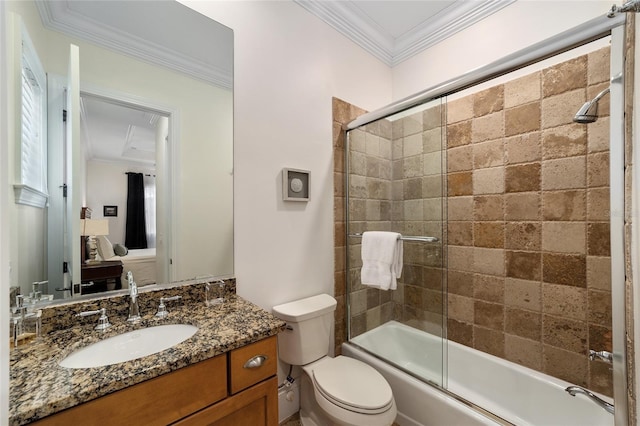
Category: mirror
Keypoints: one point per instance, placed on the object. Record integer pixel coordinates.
(169, 65)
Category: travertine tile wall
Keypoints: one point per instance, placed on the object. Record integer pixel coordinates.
(528, 223)
(343, 113)
(370, 205)
(418, 210)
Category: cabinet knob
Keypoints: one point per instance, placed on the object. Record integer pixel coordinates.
(256, 361)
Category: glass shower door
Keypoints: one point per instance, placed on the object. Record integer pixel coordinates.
(395, 183)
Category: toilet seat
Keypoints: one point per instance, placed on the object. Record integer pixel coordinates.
(352, 385)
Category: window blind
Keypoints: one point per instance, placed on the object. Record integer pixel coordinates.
(32, 150)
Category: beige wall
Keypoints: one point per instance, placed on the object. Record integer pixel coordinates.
(288, 64)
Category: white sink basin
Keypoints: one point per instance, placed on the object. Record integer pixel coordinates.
(129, 346)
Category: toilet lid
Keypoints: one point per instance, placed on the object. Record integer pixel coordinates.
(352, 384)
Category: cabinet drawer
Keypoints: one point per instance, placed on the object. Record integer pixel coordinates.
(252, 363)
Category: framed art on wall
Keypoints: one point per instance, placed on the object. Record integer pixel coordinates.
(295, 184)
(110, 211)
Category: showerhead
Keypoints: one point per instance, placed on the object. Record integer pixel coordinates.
(588, 113)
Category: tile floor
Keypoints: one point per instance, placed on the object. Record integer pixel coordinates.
(292, 421)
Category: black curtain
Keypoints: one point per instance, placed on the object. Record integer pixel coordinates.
(135, 231)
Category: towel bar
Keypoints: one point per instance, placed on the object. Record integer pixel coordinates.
(407, 238)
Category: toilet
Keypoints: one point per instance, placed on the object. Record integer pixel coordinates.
(333, 391)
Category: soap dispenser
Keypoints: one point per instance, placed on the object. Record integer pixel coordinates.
(26, 325)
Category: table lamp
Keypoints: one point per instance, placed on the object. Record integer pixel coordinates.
(90, 228)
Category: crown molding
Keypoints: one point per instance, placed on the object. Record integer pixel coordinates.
(453, 19)
(138, 166)
(57, 16)
(347, 19)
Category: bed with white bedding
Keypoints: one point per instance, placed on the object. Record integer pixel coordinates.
(141, 262)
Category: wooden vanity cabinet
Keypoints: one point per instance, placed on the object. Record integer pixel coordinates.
(250, 404)
(200, 394)
(158, 401)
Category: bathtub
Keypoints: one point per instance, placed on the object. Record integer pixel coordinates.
(511, 392)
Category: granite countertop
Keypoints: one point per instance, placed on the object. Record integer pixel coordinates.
(40, 387)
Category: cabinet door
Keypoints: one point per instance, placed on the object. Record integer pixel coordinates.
(157, 401)
(256, 406)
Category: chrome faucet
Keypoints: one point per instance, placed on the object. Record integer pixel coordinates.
(134, 309)
(21, 317)
(21, 312)
(603, 355)
(573, 390)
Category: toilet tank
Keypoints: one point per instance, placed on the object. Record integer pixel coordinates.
(308, 333)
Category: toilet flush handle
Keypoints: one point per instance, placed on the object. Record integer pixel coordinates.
(256, 361)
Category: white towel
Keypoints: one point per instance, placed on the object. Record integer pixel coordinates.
(381, 259)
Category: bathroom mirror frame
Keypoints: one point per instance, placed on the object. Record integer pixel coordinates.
(201, 200)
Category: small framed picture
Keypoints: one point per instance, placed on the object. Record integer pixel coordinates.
(110, 211)
(295, 184)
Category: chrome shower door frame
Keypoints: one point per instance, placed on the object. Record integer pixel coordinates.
(617, 238)
(580, 35)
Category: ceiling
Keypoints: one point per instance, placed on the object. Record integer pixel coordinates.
(114, 132)
(395, 30)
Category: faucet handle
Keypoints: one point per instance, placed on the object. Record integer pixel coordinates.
(214, 293)
(103, 321)
(36, 293)
(162, 309)
(20, 309)
(603, 355)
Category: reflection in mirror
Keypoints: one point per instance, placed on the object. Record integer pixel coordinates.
(121, 143)
(178, 127)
